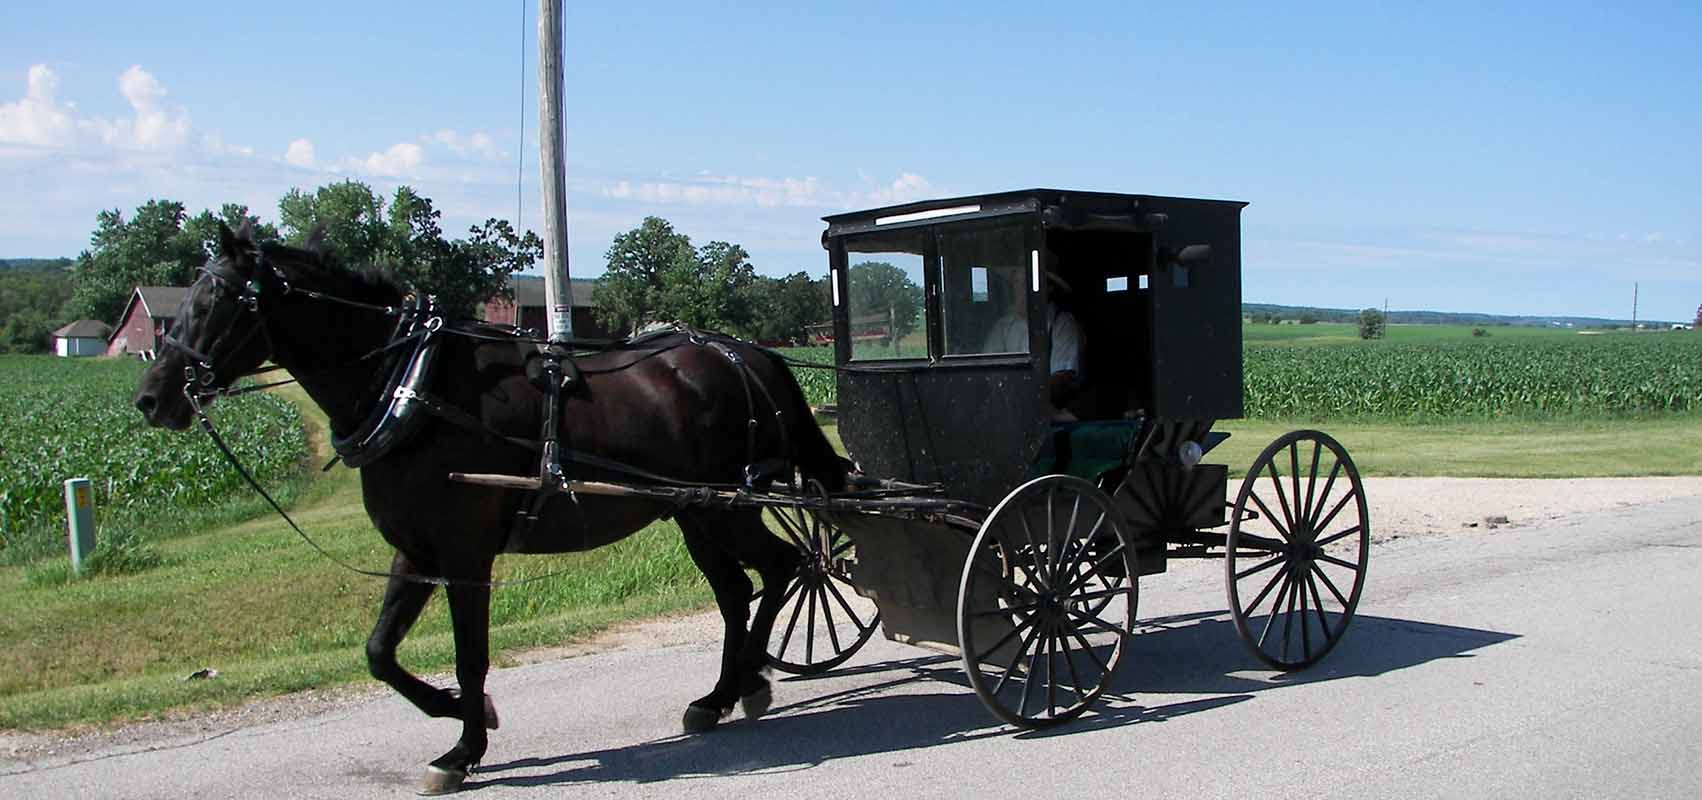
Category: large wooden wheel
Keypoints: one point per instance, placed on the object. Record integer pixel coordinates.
(809, 635)
(1047, 601)
(1299, 542)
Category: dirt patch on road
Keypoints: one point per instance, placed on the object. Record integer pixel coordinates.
(1400, 507)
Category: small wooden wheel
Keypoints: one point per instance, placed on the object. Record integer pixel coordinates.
(1298, 546)
(809, 638)
(1047, 601)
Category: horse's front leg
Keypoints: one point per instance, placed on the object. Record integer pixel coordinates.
(469, 613)
(403, 601)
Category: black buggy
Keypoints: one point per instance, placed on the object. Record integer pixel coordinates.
(1011, 523)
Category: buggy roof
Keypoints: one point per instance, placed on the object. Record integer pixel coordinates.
(1070, 203)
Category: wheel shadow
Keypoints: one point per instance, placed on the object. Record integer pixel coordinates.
(1187, 655)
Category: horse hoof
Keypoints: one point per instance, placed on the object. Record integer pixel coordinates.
(441, 781)
(699, 719)
(757, 703)
(491, 720)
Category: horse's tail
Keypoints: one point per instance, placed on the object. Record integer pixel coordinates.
(811, 450)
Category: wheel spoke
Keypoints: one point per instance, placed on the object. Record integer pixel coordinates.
(1099, 595)
(1104, 668)
(1342, 535)
(1294, 477)
(1253, 607)
(1254, 495)
(1084, 543)
(1093, 569)
(1311, 480)
(832, 627)
(1324, 496)
(810, 629)
(1276, 480)
(1051, 674)
(1068, 537)
(1070, 661)
(1336, 561)
(1004, 640)
(1275, 607)
(1318, 608)
(1305, 630)
(1261, 566)
(1010, 669)
(1325, 523)
(786, 638)
(849, 612)
(799, 538)
(1095, 622)
(1329, 584)
(1028, 680)
(1007, 611)
(1288, 619)
(1033, 550)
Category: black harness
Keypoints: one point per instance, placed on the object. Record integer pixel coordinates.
(397, 416)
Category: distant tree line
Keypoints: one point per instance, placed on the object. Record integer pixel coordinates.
(160, 244)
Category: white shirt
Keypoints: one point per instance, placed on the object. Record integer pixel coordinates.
(1010, 335)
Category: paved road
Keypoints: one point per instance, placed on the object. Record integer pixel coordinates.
(1556, 661)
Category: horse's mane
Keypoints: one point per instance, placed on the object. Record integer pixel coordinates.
(326, 264)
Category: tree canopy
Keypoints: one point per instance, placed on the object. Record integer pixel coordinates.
(654, 274)
(877, 286)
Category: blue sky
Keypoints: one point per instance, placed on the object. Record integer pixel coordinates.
(1524, 159)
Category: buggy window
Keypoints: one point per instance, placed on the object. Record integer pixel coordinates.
(984, 290)
(884, 300)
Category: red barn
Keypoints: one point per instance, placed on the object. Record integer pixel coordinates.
(527, 310)
(145, 319)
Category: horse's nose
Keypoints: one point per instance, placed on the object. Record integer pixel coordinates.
(147, 403)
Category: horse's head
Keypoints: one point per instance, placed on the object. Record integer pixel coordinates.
(219, 334)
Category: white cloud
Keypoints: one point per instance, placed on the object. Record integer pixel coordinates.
(731, 190)
(400, 161)
(154, 127)
(38, 118)
(300, 153)
(477, 143)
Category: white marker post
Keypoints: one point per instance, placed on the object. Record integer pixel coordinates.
(80, 520)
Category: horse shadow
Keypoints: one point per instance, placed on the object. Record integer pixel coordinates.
(1187, 654)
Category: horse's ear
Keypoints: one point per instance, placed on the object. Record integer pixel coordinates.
(230, 245)
(245, 231)
(316, 239)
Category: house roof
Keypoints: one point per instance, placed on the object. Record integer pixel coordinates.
(84, 329)
(529, 291)
(162, 301)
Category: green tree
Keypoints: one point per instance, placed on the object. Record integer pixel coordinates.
(785, 307)
(711, 291)
(639, 261)
(654, 274)
(879, 287)
(406, 238)
(26, 331)
(149, 249)
(1371, 324)
(350, 215)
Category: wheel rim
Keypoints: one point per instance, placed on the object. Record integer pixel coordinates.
(1298, 547)
(1046, 602)
(810, 634)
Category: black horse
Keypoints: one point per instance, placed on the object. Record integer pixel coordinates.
(679, 405)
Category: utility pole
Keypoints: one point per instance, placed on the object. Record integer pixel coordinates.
(552, 150)
(1633, 305)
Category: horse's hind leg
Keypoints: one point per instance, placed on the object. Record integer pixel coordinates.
(732, 590)
(403, 601)
(776, 562)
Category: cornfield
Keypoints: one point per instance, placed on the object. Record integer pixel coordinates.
(72, 418)
(1605, 375)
